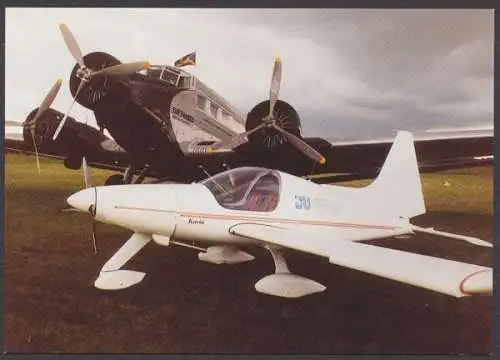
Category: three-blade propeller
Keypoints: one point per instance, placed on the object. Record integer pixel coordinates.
(86, 74)
(270, 122)
(31, 124)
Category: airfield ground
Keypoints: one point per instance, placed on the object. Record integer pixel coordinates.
(187, 306)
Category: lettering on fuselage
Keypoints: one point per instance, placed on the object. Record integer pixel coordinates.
(196, 221)
(302, 202)
(182, 114)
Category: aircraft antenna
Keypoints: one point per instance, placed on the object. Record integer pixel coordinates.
(312, 171)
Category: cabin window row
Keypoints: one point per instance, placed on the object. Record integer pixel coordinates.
(212, 109)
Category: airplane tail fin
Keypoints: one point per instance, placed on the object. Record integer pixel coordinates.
(398, 187)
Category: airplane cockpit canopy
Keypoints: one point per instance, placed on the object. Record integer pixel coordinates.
(245, 188)
(171, 75)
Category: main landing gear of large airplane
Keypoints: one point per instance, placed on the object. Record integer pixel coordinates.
(115, 179)
(127, 177)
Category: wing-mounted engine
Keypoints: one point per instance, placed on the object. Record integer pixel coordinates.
(93, 88)
(272, 123)
(284, 116)
(40, 132)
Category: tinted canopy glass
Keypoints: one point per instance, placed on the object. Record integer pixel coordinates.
(247, 188)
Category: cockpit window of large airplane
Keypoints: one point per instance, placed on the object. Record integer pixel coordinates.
(252, 189)
(168, 74)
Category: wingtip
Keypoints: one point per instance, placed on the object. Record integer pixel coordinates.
(478, 283)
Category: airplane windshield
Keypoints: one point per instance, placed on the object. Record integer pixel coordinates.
(252, 189)
(165, 73)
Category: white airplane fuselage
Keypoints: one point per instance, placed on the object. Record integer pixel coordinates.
(191, 213)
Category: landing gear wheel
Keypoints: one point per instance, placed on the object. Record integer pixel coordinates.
(116, 179)
(73, 163)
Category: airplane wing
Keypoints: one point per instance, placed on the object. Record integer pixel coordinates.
(101, 152)
(445, 276)
(423, 168)
(436, 151)
(97, 165)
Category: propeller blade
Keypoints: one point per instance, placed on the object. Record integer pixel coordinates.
(13, 123)
(72, 45)
(122, 69)
(93, 214)
(302, 145)
(47, 102)
(87, 176)
(275, 85)
(61, 124)
(32, 130)
(236, 140)
(94, 236)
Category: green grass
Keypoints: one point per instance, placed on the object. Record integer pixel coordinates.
(34, 203)
(464, 190)
(185, 305)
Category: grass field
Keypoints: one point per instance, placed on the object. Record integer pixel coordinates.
(187, 306)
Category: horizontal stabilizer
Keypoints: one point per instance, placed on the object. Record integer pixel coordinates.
(445, 276)
(469, 239)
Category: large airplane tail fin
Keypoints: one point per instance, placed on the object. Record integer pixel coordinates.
(398, 188)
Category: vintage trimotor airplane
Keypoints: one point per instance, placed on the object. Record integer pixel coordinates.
(276, 210)
(166, 123)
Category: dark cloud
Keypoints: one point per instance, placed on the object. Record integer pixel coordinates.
(346, 71)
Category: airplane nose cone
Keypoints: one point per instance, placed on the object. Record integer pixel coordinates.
(82, 199)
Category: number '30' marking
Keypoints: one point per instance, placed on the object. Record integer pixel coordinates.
(302, 202)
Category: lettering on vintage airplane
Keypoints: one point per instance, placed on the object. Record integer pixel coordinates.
(182, 114)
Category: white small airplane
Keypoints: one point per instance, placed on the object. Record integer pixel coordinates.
(276, 210)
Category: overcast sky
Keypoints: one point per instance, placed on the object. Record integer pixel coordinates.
(347, 72)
